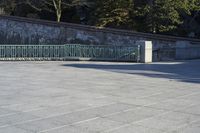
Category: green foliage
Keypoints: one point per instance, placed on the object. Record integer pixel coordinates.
(114, 13)
(163, 15)
(154, 16)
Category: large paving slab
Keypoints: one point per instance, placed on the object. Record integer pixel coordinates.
(100, 97)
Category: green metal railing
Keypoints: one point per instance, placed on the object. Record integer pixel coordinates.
(103, 52)
(69, 51)
(31, 52)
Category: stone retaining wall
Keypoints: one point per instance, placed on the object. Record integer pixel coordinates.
(17, 30)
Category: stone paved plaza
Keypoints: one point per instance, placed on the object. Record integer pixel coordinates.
(99, 97)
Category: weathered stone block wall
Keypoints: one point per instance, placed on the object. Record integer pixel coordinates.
(16, 30)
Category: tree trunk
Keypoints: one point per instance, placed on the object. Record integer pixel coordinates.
(58, 15)
(58, 8)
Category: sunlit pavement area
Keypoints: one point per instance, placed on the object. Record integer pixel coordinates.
(95, 97)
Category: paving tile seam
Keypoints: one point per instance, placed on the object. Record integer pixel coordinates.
(27, 130)
(28, 111)
(107, 131)
(135, 122)
(142, 97)
(184, 125)
(177, 97)
(178, 111)
(163, 131)
(11, 105)
(129, 104)
(37, 119)
(104, 116)
(66, 125)
(9, 114)
(131, 97)
(192, 94)
(42, 105)
(18, 112)
(139, 105)
(128, 110)
(79, 122)
(135, 97)
(5, 104)
(69, 103)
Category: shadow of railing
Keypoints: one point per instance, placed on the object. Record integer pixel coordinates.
(184, 71)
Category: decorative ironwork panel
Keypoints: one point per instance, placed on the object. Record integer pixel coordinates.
(31, 52)
(64, 52)
(103, 52)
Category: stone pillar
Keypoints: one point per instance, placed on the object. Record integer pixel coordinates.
(146, 52)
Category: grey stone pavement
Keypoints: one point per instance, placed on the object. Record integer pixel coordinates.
(99, 97)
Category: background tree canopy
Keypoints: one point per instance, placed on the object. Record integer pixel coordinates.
(173, 17)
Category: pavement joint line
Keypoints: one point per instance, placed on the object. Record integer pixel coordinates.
(7, 125)
(136, 104)
(19, 112)
(2, 105)
(178, 97)
(185, 125)
(135, 122)
(178, 111)
(27, 111)
(10, 105)
(181, 126)
(100, 97)
(8, 114)
(27, 130)
(129, 104)
(142, 97)
(75, 123)
(144, 127)
(104, 116)
(188, 95)
(6, 106)
(37, 119)
(146, 105)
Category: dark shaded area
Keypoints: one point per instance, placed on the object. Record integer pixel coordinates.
(167, 17)
(185, 71)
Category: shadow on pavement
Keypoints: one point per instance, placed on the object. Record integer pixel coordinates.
(184, 71)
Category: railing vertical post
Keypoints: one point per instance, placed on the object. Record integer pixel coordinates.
(138, 53)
